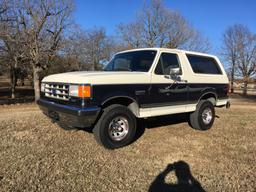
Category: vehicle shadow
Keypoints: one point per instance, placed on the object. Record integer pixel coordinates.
(185, 180)
(142, 124)
(156, 122)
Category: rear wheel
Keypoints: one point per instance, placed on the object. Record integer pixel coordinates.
(203, 117)
(116, 127)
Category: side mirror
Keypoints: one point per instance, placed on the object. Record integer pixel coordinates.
(174, 71)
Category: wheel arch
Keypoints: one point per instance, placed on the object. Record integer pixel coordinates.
(210, 95)
(127, 101)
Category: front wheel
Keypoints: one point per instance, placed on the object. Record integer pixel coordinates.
(116, 127)
(203, 117)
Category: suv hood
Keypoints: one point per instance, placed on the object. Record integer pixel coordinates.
(99, 77)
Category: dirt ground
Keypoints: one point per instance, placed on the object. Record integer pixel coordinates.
(37, 155)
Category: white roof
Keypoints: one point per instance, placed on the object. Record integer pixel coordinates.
(167, 49)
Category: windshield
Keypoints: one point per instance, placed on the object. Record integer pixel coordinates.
(132, 61)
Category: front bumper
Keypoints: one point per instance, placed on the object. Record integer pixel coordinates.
(69, 115)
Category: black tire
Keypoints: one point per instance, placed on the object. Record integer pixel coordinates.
(102, 127)
(196, 119)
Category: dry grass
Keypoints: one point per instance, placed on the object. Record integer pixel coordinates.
(36, 155)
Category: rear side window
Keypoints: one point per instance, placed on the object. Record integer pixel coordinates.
(166, 62)
(205, 65)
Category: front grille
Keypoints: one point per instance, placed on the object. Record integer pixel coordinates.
(57, 91)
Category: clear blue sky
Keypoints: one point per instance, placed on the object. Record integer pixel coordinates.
(210, 17)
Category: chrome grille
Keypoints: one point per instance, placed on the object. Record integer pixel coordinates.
(57, 91)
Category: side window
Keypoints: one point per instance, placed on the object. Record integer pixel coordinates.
(205, 65)
(166, 62)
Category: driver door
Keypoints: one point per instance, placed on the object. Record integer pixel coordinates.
(168, 95)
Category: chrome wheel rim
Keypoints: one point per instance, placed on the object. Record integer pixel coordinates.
(207, 115)
(118, 128)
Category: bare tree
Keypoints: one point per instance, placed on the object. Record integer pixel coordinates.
(43, 23)
(75, 49)
(96, 42)
(158, 26)
(131, 34)
(154, 21)
(230, 51)
(3, 8)
(197, 42)
(246, 55)
(239, 48)
(12, 42)
(87, 49)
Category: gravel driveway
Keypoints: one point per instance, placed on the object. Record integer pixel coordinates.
(37, 155)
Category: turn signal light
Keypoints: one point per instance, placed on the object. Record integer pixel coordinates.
(84, 91)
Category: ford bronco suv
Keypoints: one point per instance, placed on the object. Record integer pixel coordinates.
(137, 83)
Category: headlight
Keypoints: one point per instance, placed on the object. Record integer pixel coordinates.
(42, 87)
(83, 91)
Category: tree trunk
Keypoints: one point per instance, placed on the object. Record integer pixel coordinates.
(22, 81)
(232, 80)
(92, 67)
(36, 71)
(245, 86)
(13, 73)
(13, 82)
(232, 86)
